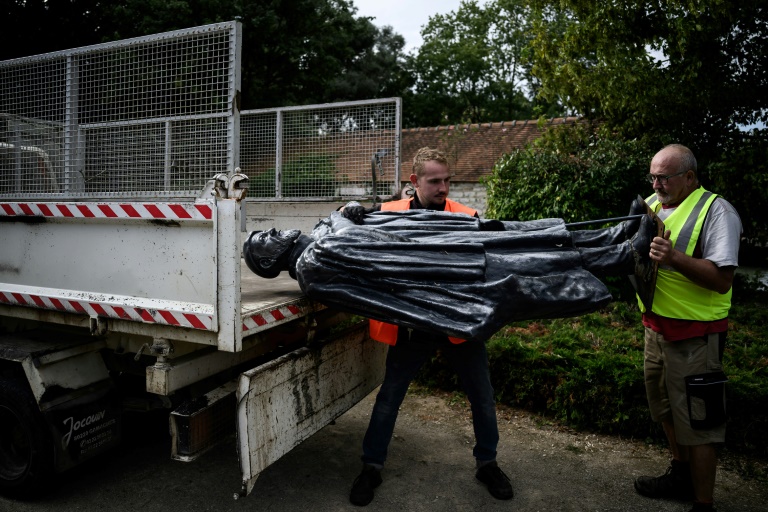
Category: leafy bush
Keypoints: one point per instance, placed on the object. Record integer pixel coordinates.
(746, 364)
(304, 176)
(578, 173)
(569, 173)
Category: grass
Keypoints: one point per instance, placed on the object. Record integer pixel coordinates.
(587, 372)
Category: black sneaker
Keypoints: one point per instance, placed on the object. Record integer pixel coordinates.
(497, 481)
(702, 507)
(675, 484)
(365, 483)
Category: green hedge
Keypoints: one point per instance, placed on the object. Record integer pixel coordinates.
(570, 173)
(578, 172)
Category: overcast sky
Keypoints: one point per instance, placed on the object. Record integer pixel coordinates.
(407, 17)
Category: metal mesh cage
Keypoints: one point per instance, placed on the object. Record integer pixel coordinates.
(156, 116)
(322, 151)
(146, 116)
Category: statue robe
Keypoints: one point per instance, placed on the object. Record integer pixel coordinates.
(451, 273)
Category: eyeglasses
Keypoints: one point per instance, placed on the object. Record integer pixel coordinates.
(662, 179)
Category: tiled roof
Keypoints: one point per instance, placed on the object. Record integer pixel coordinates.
(472, 149)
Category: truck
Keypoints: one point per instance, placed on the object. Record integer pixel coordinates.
(128, 177)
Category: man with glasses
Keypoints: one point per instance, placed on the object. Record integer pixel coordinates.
(686, 328)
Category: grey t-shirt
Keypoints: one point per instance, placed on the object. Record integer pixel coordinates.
(720, 235)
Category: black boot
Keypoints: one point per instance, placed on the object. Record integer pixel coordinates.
(613, 235)
(675, 484)
(362, 489)
(620, 259)
(641, 241)
(638, 207)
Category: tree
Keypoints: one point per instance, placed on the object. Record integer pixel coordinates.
(741, 173)
(31, 27)
(692, 72)
(377, 72)
(295, 52)
(682, 70)
(472, 66)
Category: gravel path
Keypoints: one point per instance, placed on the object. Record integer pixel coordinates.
(430, 468)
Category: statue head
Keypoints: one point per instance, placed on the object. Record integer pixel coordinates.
(267, 252)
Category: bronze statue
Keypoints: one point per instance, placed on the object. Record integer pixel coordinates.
(459, 275)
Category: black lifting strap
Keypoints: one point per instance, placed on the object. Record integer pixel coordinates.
(603, 221)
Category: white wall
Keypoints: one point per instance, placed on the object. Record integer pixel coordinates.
(471, 194)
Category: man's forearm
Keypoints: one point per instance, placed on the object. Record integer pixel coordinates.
(703, 272)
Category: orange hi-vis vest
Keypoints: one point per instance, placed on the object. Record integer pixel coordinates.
(450, 206)
(387, 333)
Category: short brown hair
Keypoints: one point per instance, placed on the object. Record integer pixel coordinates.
(426, 154)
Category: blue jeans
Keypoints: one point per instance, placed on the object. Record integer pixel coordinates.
(469, 360)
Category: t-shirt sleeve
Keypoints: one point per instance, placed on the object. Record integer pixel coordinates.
(721, 234)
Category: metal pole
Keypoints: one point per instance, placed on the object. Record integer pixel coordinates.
(374, 161)
(603, 221)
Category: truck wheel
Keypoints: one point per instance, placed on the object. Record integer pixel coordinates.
(26, 451)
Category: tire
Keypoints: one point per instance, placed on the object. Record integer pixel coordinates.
(26, 449)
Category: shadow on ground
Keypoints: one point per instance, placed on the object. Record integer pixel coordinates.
(430, 468)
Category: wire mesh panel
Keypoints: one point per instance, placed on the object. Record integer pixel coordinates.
(313, 152)
(32, 111)
(149, 116)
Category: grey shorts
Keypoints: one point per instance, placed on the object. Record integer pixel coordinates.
(667, 364)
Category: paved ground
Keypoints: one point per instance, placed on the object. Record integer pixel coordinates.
(430, 469)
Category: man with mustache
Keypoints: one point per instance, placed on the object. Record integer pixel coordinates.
(685, 330)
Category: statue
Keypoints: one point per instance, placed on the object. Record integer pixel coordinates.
(459, 275)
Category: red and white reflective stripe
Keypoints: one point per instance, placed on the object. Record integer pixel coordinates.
(170, 211)
(103, 309)
(271, 317)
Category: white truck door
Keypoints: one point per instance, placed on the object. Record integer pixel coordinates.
(285, 401)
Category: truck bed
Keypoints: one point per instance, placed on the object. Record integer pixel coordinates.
(258, 293)
(269, 302)
(143, 268)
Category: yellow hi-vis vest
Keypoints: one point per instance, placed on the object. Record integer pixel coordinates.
(676, 296)
(387, 333)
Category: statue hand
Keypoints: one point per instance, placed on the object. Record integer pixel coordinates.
(356, 213)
